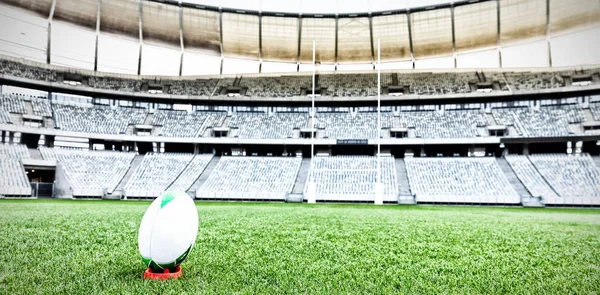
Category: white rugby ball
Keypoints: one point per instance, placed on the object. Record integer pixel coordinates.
(168, 230)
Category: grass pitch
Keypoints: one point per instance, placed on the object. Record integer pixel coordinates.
(90, 247)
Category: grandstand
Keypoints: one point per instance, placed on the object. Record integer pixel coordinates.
(87, 174)
(13, 180)
(156, 173)
(329, 147)
(251, 178)
(492, 118)
(353, 178)
(459, 180)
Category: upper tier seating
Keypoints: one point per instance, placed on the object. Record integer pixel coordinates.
(191, 172)
(184, 124)
(199, 87)
(96, 119)
(450, 124)
(285, 86)
(351, 85)
(89, 172)
(268, 126)
(344, 125)
(352, 178)
(437, 83)
(258, 178)
(576, 178)
(12, 103)
(531, 178)
(524, 81)
(459, 180)
(336, 85)
(156, 173)
(492, 77)
(109, 83)
(20, 70)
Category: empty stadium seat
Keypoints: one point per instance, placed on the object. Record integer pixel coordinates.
(258, 178)
(575, 178)
(352, 178)
(459, 180)
(531, 178)
(156, 173)
(89, 173)
(267, 126)
(96, 118)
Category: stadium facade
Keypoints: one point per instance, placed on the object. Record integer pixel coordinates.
(500, 135)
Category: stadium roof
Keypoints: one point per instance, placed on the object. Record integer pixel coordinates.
(318, 6)
(283, 31)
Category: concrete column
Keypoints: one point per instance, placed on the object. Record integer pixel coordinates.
(526, 149)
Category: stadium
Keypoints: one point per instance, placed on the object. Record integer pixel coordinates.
(330, 146)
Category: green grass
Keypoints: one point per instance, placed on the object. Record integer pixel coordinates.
(90, 247)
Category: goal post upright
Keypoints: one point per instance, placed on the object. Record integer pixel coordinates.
(378, 184)
(312, 198)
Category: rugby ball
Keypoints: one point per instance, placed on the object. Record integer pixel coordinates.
(168, 231)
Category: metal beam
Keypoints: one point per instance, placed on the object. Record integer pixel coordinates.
(371, 36)
(410, 40)
(453, 33)
(499, 33)
(221, 38)
(141, 36)
(548, 33)
(99, 14)
(259, 42)
(299, 41)
(49, 45)
(181, 38)
(336, 40)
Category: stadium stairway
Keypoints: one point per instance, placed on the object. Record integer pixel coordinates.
(137, 160)
(149, 119)
(405, 195)
(301, 177)
(204, 176)
(35, 154)
(28, 107)
(517, 184)
(589, 117)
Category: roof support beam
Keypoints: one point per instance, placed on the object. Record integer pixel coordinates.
(181, 39)
(98, 15)
(410, 39)
(453, 34)
(299, 41)
(336, 40)
(141, 36)
(371, 36)
(499, 33)
(49, 46)
(221, 38)
(259, 42)
(548, 33)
